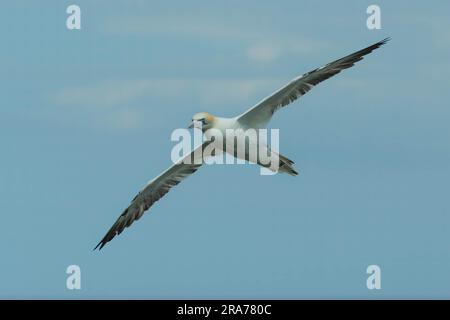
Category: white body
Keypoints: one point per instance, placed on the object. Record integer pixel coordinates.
(243, 142)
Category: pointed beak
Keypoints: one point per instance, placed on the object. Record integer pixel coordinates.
(195, 124)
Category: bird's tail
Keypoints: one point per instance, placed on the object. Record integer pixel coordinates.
(287, 166)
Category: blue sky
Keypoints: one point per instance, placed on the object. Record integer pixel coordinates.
(86, 118)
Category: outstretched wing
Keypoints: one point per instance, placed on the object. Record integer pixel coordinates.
(260, 114)
(154, 191)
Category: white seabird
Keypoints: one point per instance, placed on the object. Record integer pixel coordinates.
(256, 117)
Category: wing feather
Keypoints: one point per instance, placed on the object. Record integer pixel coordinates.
(152, 192)
(260, 114)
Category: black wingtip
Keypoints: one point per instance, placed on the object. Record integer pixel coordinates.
(385, 40)
(101, 244)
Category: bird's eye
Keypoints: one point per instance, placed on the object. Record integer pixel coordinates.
(203, 121)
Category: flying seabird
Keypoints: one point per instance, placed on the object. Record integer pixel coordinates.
(256, 117)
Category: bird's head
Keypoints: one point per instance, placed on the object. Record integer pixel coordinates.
(202, 120)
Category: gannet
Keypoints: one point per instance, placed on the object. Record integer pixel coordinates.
(256, 117)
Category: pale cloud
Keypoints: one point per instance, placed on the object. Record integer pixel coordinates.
(235, 91)
(258, 45)
(176, 25)
(111, 94)
(118, 104)
(106, 94)
(263, 52)
(266, 51)
(122, 119)
(437, 29)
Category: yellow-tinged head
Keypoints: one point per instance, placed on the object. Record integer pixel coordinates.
(202, 120)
